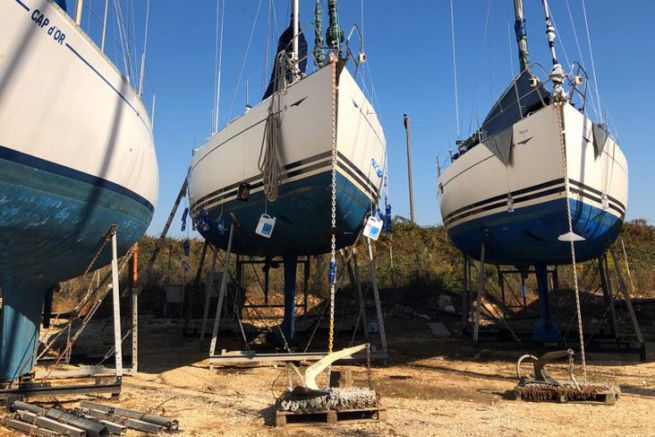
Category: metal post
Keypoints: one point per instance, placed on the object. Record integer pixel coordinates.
(378, 304)
(466, 296)
(478, 303)
(194, 287)
(290, 264)
(267, 283)
(79, 5)
(135, 309)
(296, 29)
(608, 295)
(501, 284)
(118, 347)
(524, 291)
(628, 301)
(221, 293)
(360, 293)
(305, 288)
(409, 167)
(208, 293)
(104, 27)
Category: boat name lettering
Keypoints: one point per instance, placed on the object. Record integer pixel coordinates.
(42, 21)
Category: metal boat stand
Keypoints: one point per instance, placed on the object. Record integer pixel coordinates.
(472, 316)
(605, 274)
(250, 356)
(105, 380)
(609, 275)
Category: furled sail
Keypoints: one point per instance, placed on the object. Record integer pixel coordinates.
(284, 44)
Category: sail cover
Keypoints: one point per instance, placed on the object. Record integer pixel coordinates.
(517, 100)
(284, 44)
(520, 98)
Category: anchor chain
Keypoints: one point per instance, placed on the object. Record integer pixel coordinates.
(559, 112)
(333, 238)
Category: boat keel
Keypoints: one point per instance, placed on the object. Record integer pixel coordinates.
(546, 331)
(19, 328)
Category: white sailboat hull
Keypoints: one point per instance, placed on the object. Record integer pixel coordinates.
(519, 210)
(63, 101)
(310, 124)
(76, 157)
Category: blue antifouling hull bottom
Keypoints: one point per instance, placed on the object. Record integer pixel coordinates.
(529, 235)
(51, 223)
(303, 218)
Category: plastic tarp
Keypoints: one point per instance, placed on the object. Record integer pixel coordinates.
(517, 100)
(284, 44)
(600, 138)
(501, 144)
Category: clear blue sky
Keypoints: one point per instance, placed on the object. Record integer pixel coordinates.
(409, 56)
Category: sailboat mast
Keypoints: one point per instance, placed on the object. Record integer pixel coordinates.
(521, 35)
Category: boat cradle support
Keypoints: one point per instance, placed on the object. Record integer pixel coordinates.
(105, 380)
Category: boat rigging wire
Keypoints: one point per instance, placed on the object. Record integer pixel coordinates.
(267, 46)
(594, 105)
(511, 52)
(220, 10)
(245, 58)
(132, 27)
(454, 53)
(361, 11)
(591, 56)
(477, 78)
(145, 47)
(122, 33)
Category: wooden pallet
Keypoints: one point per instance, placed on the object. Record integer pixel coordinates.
(608, 398)
(330, 417)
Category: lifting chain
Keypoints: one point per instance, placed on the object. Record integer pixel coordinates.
(559, 118)
(333, 239)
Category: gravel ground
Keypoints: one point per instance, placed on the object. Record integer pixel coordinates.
(430, 387)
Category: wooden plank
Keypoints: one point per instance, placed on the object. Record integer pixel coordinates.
(606, 397)
(330, 417)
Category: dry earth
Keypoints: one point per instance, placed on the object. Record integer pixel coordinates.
(431, 387)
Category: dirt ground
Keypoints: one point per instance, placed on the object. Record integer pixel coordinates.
(430, 387)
